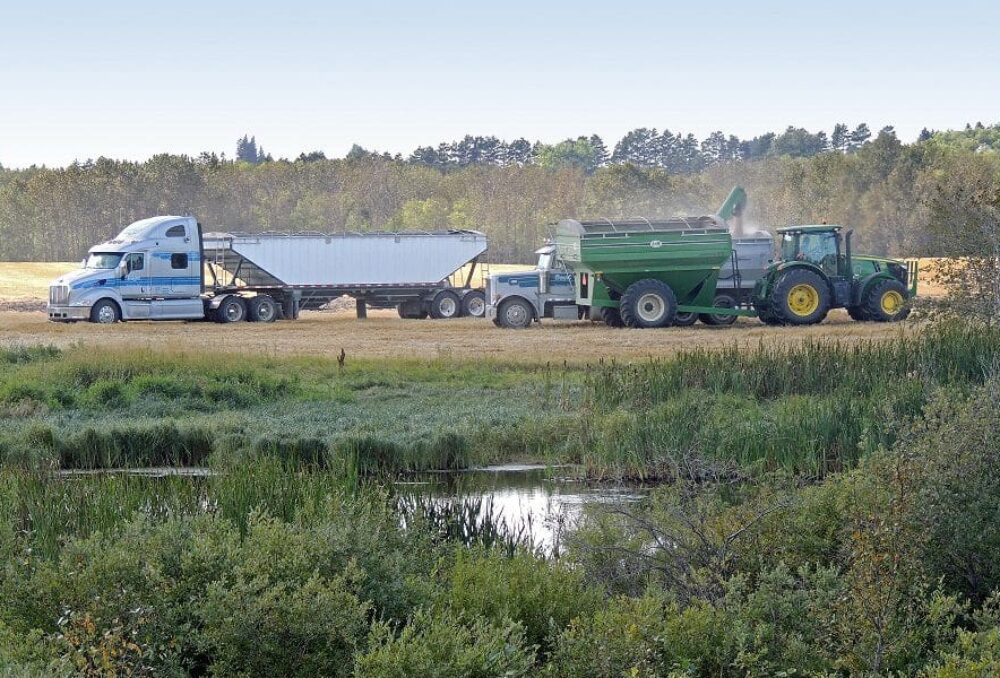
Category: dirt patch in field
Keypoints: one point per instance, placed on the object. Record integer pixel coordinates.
(384, 334)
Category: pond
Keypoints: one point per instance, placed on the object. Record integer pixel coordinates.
(536, 501)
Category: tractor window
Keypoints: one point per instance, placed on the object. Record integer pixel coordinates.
(817, 248)
(178, 261)
(176, 231)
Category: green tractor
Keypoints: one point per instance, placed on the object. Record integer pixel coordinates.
(816, 272)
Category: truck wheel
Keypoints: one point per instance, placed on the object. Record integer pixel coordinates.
(722, 301)
(612, 317)
(515, 314)
(474, 304)
(262, 309)
(685, 319)
(231, 310)
(887, 302)
(105, 312)
(800, 297)
(648, 303)
(445, 305)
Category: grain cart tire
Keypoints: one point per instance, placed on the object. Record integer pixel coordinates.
(648, 303)
(800, 297)
(887, 302)
(262, 309)
(722, 301)
(859, 313)
(411, 310)
(105, 312)
(474, 304)
(515, 314)
(612, 317)
(445, 305)
(685, 319)
(231, 310)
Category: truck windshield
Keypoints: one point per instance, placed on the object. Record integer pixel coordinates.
(102, 260)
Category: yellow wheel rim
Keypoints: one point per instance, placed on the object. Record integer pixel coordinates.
(803, 300)
(892, 302)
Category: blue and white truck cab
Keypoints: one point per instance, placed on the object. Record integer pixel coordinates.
(151, 270)
(514, 300)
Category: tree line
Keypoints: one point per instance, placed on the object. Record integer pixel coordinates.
(883, 188)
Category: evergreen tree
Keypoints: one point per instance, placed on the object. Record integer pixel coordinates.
(839, 138)
(925, 135)
(600, 150)
(859, 137)
(246, 150)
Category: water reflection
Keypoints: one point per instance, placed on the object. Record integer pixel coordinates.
(534, 501)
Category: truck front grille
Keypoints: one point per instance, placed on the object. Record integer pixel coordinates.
(58, 294)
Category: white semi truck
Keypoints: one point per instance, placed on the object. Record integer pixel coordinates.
(165, 268)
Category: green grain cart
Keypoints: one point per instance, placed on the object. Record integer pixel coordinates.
(642, 273)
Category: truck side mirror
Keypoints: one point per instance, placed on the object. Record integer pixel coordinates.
(123, 269)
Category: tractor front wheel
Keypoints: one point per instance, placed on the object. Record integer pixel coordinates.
(887, 302)
(800, 297)
(648, 303)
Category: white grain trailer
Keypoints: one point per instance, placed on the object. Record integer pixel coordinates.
(164, 268)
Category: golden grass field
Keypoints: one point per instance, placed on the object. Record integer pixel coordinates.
(384, 334)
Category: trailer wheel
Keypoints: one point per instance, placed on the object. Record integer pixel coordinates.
(105, 312)
(262, 309)
(722, 301)
(685, 319)
(231, 310)
(612, 317)
(515, 314)
(648, 303)
(474, 304)
(411, 310)
(445, 305)
(888, 302)
(801, 297)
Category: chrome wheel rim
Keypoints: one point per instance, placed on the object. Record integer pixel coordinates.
(265, 312)
(477, 307)
(447, 307)
(106, 314)
(516, 314)
(234, 312)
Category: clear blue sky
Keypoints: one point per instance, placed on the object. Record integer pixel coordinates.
(130, 79)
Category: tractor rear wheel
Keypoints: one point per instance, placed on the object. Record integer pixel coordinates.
(612, 317)
(887, 302)
(800, 297)
(648, 303)
(722, 301)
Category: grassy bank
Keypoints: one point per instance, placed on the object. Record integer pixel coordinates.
(812, 408)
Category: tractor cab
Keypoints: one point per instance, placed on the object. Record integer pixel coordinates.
(821, 246)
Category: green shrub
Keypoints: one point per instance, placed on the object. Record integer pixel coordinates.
(444, 646)
(540, 595)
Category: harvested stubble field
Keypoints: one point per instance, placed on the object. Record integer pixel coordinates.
(385, 335)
